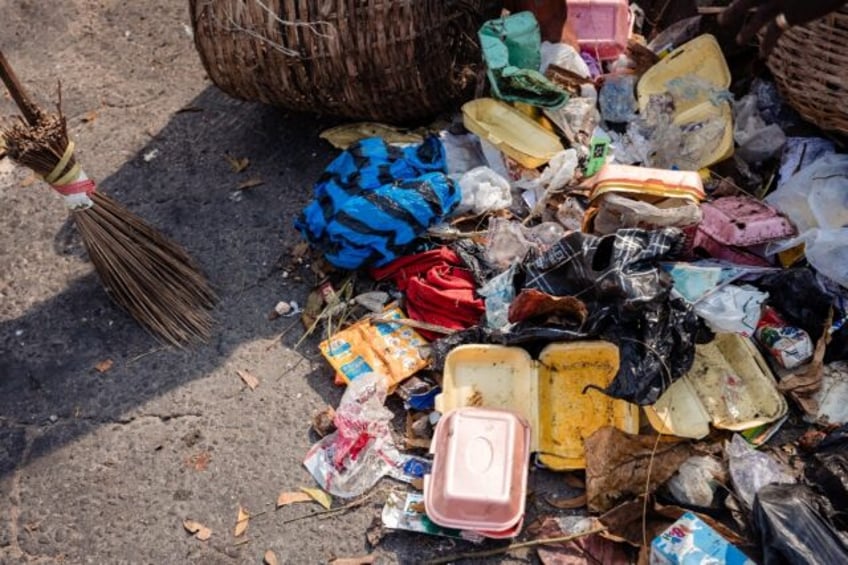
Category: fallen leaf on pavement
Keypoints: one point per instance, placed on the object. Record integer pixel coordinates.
(200, 531)
(363, 560)
(287, 498)
(319, 496)
(237, 164)
(270, 558)
(375, 532)
(322, 421)
(104, 365)
(249, 379)
(250, 183)
(300, 250)
(199, 461)
(241, 522)
(29, 181)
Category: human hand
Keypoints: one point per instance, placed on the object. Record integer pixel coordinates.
(776, 16)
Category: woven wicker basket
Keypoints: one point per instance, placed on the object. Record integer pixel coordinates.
(810, 66)
(386, 60)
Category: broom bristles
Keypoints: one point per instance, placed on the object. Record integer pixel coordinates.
(147, 274)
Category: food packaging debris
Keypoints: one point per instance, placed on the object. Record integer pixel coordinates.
(406, 512)
(512, 132)
(791, 347)
(390, 349)
(480, 466)
(730, 385)
(558, 394)
(645, 181)
(741, 221)
(697, 76)
(690, 541)
(603, 27)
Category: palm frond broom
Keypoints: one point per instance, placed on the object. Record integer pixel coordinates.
(144, 272)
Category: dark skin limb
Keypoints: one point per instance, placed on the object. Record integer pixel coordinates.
(796, 12)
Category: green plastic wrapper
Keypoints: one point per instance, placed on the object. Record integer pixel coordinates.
(511, 48)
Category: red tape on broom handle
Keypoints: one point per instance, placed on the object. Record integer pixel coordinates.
(86, 186)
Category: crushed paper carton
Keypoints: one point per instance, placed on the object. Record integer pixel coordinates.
(392, 350)
(690, 541)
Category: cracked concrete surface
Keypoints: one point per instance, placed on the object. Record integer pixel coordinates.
(104, 467)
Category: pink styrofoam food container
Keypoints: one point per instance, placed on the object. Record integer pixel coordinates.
(481, 458)
(743, 222)
(603, 27)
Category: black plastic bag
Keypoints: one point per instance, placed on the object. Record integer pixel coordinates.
(794, 526)
(799, 298)
(619, 278)
(656, 347)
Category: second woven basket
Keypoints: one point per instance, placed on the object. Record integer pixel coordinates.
(809, 65)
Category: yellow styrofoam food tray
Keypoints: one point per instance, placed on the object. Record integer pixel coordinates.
(550, 393)
(729, 386)
(702, 59)
(511, 131)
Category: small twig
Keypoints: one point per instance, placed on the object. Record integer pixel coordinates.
(514, 546)
(276, 339)
(241, 542)
(333, 511)
(145, 354)
(647, 491)
(377, 319)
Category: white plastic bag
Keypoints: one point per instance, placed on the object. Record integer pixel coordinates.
(564, 56)
(732, 309)
(483, 190)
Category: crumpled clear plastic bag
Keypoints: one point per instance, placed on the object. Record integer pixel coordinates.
(757, 141)
(751, 470)
(352, 459)
(499, 293)
(696, 481)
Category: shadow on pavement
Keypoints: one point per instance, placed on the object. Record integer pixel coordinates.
(182, 183)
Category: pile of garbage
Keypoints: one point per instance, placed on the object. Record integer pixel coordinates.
(613, 269)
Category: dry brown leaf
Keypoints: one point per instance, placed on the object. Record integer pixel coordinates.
(319, 496)
(200, 531)
(322, 421)
(566, 503)
(270, 558)
(362, 560)
(237, 164)
(249, 379)
(29, 181)
(250, 183)
(287, 498)
(241, 522)
(199, 461)
(300, 250)
(89, 116)
(104, 365)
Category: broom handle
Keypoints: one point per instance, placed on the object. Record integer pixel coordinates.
(19, 95)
